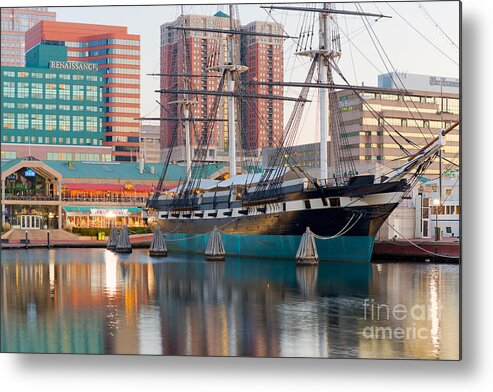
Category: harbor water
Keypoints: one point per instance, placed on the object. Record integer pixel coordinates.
(95, 301)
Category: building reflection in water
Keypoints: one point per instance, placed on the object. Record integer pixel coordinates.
(96, 301)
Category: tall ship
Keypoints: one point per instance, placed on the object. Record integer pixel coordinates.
(264, 212)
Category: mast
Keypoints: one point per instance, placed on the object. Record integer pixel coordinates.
(188, 156)
(323, 93)
(325, 53)
(231, 101)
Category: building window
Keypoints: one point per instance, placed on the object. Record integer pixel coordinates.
(37, 121)
(50, 122)
(77, 92)
(77, 123)
(22, 121)
(9, 154)
(9, 89)
(64, 123)
(8, 120)
(92, 93)
(50, 91)
(22, 90)
(37, 90)
(64, 92)
(91, 124)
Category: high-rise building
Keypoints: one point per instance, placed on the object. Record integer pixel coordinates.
(52, 109)
(260, 121)
(117, 54)
(15, 22)
(201, 50)
(263, 119)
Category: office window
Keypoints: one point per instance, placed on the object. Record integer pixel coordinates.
(22, 121)
(77, 92)
(64, 91)
(50, 122)
(64, 123)
(37, 121)
(37, 90)
(22, 90)
(78, 123)
(50, 91)
(8, 120)
(92, 93)
(9, 89)
(91, 124)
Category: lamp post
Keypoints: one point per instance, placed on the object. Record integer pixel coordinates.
(436, 203)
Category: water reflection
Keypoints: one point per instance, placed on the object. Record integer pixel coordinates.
(94, 301)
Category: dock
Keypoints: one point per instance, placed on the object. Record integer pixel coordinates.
(447, 250)
(15, 239)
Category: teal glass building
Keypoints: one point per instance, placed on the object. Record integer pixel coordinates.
(51, 101)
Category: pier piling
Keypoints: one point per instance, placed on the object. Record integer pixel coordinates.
(113, 240)
(123, 245)
(307, 250)
(158, 245)
(215, 248)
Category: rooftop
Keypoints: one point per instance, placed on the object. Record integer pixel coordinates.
(115, 170)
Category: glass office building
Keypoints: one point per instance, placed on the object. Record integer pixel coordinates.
(51, 103)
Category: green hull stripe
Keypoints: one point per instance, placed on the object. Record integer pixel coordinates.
(346, 248)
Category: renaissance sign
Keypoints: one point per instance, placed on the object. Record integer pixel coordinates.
(73, 65)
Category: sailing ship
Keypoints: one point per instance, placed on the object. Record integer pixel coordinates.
(265, 214)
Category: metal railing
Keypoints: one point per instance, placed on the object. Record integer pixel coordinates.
(96, 199)
(12, 196)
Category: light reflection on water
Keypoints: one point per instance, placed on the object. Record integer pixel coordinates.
(95, 301)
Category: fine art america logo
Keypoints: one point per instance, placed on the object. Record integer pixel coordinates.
(406, 323)
(72, 65)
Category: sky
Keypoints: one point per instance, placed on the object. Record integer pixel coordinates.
(420, 38)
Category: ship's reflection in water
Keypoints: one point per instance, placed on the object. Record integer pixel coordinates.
(94, 301)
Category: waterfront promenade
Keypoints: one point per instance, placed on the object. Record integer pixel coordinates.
(63, 239)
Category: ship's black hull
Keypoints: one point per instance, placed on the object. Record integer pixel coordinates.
(344, 220)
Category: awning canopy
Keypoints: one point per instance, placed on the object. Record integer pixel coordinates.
(102, 210)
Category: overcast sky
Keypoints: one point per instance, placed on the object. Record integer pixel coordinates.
(420, 38)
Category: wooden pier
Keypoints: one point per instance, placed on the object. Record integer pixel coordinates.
(446, 250)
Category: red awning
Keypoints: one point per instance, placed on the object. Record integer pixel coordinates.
(94, 187)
